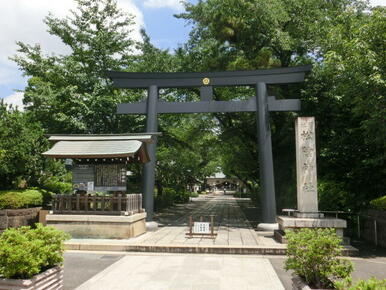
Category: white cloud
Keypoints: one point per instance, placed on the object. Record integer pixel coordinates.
(377, 3)
(173, 4)
(22, 20)
(16, 100)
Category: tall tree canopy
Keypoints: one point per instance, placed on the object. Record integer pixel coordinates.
(70, 93)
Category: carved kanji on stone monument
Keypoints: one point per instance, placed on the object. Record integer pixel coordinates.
(307, 194)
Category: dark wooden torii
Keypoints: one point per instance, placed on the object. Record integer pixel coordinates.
(262, 104)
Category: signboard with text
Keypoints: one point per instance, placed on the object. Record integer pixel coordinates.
(201, 228)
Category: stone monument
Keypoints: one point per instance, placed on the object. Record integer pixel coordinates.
(307, 214)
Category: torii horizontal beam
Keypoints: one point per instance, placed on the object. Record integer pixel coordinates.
(210, 106)
(227, 78)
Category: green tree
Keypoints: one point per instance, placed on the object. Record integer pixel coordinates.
(70, 93)
(21, 143)
(347, 95)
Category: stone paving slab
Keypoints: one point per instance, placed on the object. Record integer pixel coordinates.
(186, 272)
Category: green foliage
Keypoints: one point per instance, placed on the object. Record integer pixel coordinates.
(347, 95)
(313, 255)
(165, 199)
(70, 93)
(13, 199)
(21, 144)
(46, 196)
(193, 194)
(182, 196)
(370, 284)
(56, 186)
(332, 195)
(171, 196)
(187, 151)
(242, 194)
(25, 252)
(379, 203)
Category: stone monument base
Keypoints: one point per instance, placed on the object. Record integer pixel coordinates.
(267, 227)
(99, 226)
(295, 223)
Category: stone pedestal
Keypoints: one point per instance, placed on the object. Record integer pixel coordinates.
(294, 223)
(99, 226)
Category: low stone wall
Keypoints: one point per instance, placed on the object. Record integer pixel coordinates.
(368, 227)
(13, 218)
(99, 226)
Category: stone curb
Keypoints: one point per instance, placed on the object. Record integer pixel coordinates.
(262, 250)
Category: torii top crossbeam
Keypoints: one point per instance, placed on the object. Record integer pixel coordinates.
(206, 82)
(262, 104)
(226, 78)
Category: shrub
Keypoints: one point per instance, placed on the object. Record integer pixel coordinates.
(165, 199)
(313, 255)
(379, 203)
(193, 194)
(371, 284)
(25, 252)
(13, 199)
(171, 196)
(54, 185)
(242, 194)
(181, 196)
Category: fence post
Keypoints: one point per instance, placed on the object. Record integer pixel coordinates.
(54, 203)
(359, 226)
(77, 202)
(190, 226)
(119, 202)
(86, 202)
(375, 232)
(94, 202)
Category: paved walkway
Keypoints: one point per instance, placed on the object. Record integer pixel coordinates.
(172, 271)
(231, 225)
(234, 230)
(80, 266)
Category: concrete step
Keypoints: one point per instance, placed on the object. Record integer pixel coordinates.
(192, 249)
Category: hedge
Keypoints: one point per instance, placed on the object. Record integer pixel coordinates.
(56, 186)
(14, 199)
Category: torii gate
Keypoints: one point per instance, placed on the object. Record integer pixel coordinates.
(262, 104)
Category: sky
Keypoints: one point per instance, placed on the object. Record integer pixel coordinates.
(22, 20)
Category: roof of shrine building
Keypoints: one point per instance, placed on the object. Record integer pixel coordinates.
(100, 146)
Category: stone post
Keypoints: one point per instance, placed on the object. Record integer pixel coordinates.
(307, 192)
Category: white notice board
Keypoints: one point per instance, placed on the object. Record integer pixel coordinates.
(90, 186)
(201, 228)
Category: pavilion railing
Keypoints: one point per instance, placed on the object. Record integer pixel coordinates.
(121, 204)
